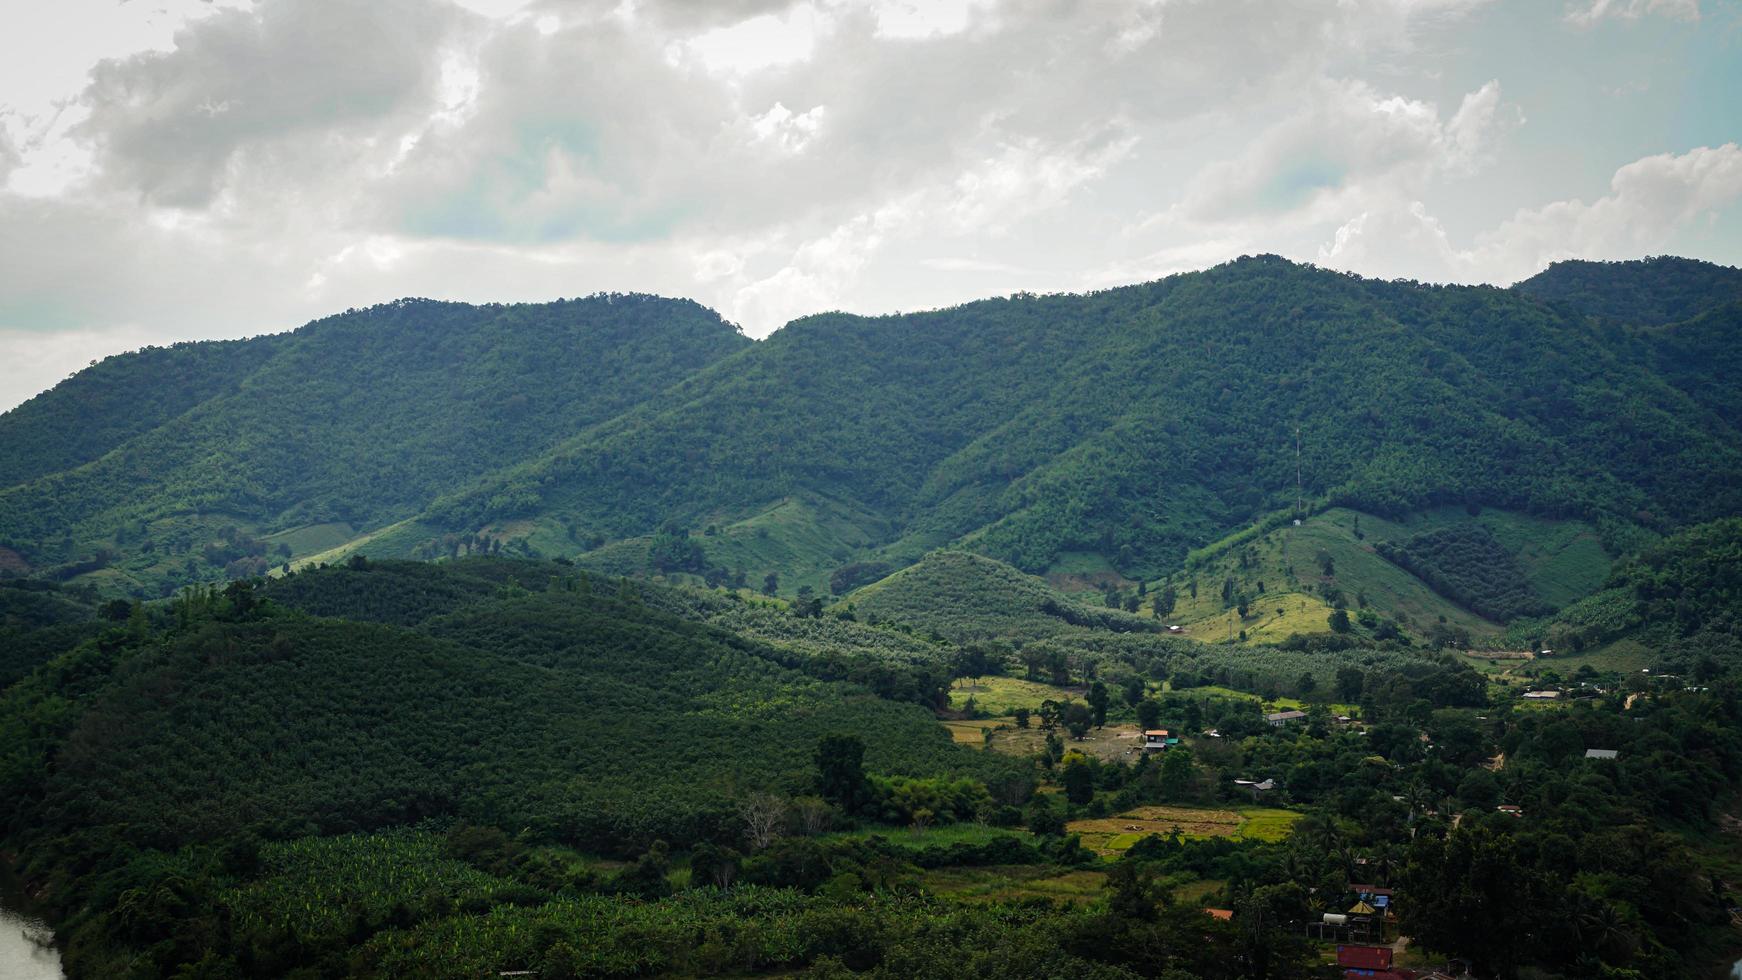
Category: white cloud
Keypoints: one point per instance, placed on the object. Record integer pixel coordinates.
(761, 42)
(1350, 140)
(1649, 200)
(1590, 12)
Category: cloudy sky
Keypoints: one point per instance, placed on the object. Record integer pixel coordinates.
(180, 169)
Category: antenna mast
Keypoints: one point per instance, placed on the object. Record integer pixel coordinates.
(1298, 508)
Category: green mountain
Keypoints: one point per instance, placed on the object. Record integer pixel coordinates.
(345, 425)
(1115, 431)
(1138, 423)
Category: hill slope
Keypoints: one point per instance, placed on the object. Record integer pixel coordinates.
(358, 419)
(1650, 292)
(1130, 426)
(1140, 422)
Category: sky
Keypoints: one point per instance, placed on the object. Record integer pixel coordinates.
(192, 169)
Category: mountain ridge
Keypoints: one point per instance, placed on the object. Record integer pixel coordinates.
(1137, 423)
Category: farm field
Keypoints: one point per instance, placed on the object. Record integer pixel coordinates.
(1014, 883)
(1270, 704)
(1110, 836)
(937, 835)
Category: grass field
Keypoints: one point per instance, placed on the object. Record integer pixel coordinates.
(1562, 560)
(803, 538)
(1002, 695)
(1014, 883)
(1113, 835)
(940, 835)
(1083, 572)
(313, 538)
(388, 537)
(1272, 704)
(1270, 618)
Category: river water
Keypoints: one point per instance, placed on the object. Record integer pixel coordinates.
(23, 953)
(24, 950)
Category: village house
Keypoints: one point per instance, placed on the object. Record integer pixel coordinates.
(1542, 695)
(1601, 753)
(1157, 740)
(1281, 718)
(1366, 961)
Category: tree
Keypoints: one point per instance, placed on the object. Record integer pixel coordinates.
(771, 583)
(1349, 681)
(763, 814)
(1134, 691)
(840, 763)
(1077, 720)
(1134, 891)
(1044, 819)
(1050, 711)
(710, 865)
(1098, 703)
(814, 814)
(973, 662)
(1176, 774)
(1148, 714)
(1021, 717)
(1078, 779)
(1339, 620)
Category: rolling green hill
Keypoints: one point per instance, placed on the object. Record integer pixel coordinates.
(508, 693)
(963, 597)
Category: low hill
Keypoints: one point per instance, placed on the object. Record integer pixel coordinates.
(1444, 573)
(1141, 422)
(121, 397)
(964, 597)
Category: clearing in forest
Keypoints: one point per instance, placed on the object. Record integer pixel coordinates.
(1113, 835)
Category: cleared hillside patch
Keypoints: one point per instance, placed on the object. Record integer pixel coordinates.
(1330, 556)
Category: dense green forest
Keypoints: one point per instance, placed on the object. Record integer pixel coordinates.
(349, 423)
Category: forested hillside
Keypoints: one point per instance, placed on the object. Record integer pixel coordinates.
(102, 407)
(1133, 424)
(1651, 292)
(1140, 422)
(350, 423)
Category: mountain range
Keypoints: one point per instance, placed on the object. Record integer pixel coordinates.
(1104, 435)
